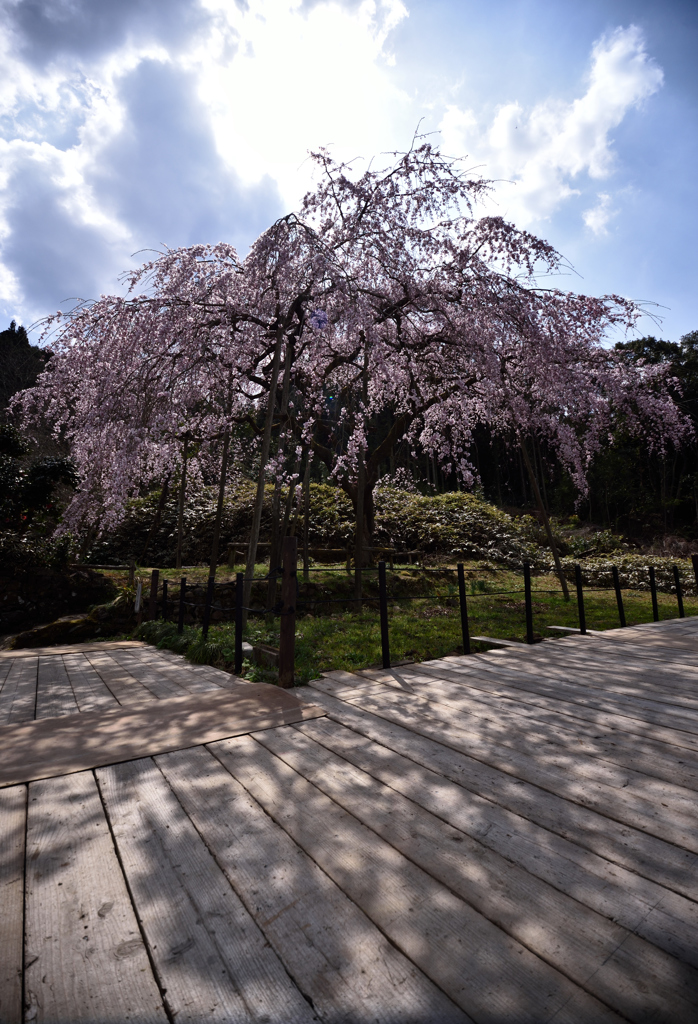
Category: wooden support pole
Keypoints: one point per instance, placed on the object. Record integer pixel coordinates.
(138, 605)
(207, 606)
(694, 559)
(463, 609)
(580, 599)
(287, 629)
(152, 604)
(182, 595)
(239, 601)
(383, 602)
(529, 603)
(653, 591)
(619, 595)
(679, 594)
(164, 600)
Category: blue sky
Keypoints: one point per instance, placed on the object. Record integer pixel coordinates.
(128, 124)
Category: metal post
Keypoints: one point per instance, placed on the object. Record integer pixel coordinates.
(182, 594)
(152, 605)
(619, 596)
(239, 596)
(207, 606)
(287, 627)
(653, 590)
(164, 600)
(383, 602)
(463, 609)
(529, 603)
(580, 599)
(679, 595)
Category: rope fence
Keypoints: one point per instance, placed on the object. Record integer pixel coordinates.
(291, 602)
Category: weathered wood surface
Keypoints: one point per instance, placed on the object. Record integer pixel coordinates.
(505, 837)
(50, 747)
(13, 814)
(597, 953)
(212, 961)
(334, 953)
(84, 955)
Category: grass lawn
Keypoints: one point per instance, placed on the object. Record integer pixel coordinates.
(334, 635)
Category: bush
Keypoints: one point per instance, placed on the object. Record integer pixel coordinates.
(449, 524)
(29, 551)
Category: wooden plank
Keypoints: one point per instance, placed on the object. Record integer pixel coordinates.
(634, 673)
(664, 918)
(669, 683)
(212, 960)
(637, 851)
(18, 698)
(551, 699)
(484, 971)
(496, 642)
(340, 687)
(633, 707)
(198, 676)
(56, 746)
(124, 686)
(602, 957)
(158, 684)
(85, 959)
(60, 649)
(13, 820)
(4, 672)
(336, 956)
(91, 693)
(507, 717)
(184, 673)
(663, 811)
(54, 694)
(618, 790)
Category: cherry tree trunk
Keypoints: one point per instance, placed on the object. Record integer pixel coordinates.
(182, 498)
(546, 521)
(158, 516)
(306, 515)
(219, 506)
(264, 458)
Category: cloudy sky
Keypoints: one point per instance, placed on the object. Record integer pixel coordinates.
(129, 124)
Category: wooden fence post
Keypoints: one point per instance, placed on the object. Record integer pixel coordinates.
(239, 598)
(207, 607)
(153, 605)
(465, 630)
(580, 599)
(182, 594)
(619, 595)
(287, 628)
(653, 590)
(383, 602)
(529, 603)
(679, 595)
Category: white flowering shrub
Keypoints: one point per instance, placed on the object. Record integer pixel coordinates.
(633, 571)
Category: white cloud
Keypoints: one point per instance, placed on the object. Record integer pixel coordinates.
(542, 153)
(597, 217)
(301, 79)
(235, 108)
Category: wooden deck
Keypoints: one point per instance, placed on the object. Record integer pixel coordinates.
(507, 837)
